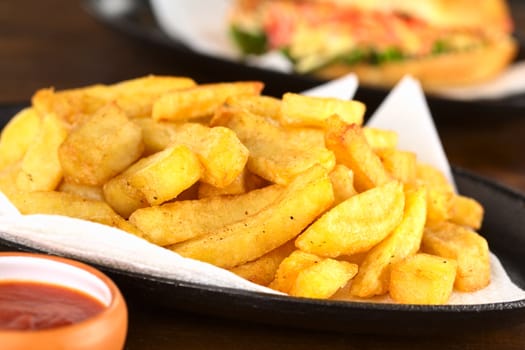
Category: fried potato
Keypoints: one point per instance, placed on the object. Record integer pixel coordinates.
(8, 177)
(466, 211)
(164, 175)
(352, 150)
(102, 147)
(276, 154)
(67, 204)
(380, 138)
(220, 151)
(201, 100)
(182, 220)
(244, 182)
(324, 279)
(156, 135)
(374, 272)
(440, 192)
(467, 247)
(265, 106)
(17, 136)
(233, 244)
(85, 191)
(41, 169)
(401, 165)
(290, 267)
(262, 270)
(422, 279)
(123, 197)
(342, 180)
(357, 224)
(301, 110)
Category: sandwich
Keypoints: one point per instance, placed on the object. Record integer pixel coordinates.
(442, 43)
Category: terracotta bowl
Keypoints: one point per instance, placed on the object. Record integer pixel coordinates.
(105, 330)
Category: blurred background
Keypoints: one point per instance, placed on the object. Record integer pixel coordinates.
(68, 44)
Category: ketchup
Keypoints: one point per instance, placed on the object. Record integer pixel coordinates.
(34, 306)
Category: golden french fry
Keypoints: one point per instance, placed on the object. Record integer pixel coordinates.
(67, 204)
(182, 220)
(264, 106)
(17, 136)
(467, 247)
(102, 147)
(357, 224)
(440, 193)
(262, 270)
(401, 165)
(342, 180)
(290, 267)
(85, 191)
(220, 151)
(422, 279)
(352, 150)
(466, 211)
(233, 244)
(276, 154)
(323, 279)
(380, 138)
(374, 272)
(123, 197)
(304, 110)
(164, 175)
(156, 135)
(201, 100)
(41, 169)
(8, 177)
(244, 182)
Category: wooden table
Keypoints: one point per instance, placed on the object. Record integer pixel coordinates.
(56, 43)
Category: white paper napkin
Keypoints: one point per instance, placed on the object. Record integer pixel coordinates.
(110, 247)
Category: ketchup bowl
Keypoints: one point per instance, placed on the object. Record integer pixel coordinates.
(49, 302)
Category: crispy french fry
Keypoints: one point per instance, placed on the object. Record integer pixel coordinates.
(233, 245)
(422, 279)
(17, 136)
(290, 267)
(41, 169)
(352, 150)
(200, 101)
(220, 151)
(374, 272)
(262, 270)
(467, 247)
(276, 155)
(182, 220)
(401, 165)
(357, 224)
(466, 211)
(343, 183)
(265, 106)
(102, 147)
(123, 197)
(85, 191)
(156, 135)
(303, 110)
(380, 138)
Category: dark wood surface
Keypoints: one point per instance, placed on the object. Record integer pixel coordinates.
(57, 43)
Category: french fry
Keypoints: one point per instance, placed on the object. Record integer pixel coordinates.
(440, 192)
(200, 101)
(352, 150)
(123, 197)
(41, 169)
(67, 204)
(401, 165)
(303, 110)
(85, 191)
(265, 106)
(290, 267)
(219, 150)
(182, 220)
(156, 135)
(276, 155)
(422, 279)
(262, 270)
(342, 180)
(380, 138)
(233, 244)
(102, 147)
(374, 272)
(17, 136)
(324, 279)
(244, 182)
(467, 247)
(466, 211)
(357, 224)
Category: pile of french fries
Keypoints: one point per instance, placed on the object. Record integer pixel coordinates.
(292, 193)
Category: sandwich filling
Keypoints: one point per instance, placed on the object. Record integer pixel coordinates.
(313, 35)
